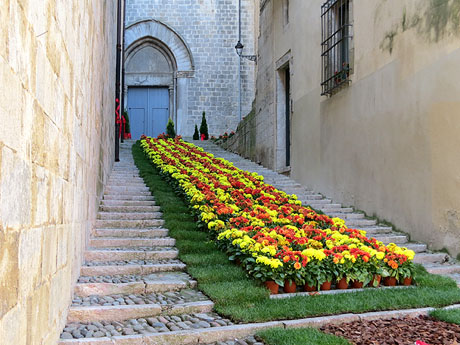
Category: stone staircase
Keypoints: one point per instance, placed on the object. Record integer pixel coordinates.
(132, 285)
(437, 263)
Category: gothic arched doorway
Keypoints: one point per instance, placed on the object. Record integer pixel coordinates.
(158, 64)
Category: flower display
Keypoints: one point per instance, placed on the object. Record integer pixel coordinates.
(268, 232)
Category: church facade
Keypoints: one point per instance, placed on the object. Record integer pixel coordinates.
(180, 60)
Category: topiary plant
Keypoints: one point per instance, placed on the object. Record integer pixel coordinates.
(204, 127)
(196, 135)
(127, 127)
(170, 131)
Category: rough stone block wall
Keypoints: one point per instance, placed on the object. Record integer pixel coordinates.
(57, 65)
(210, 28)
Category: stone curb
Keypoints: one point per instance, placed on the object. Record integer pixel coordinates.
(129, 269)
(124, 312)
(209, 335)
(334, 292)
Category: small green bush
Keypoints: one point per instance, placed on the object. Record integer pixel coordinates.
(170, 131)
(204, 127)
(196, 135)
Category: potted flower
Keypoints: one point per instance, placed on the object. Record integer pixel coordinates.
(269, 270)
(360, 271)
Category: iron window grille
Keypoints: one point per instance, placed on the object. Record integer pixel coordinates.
(336, 45)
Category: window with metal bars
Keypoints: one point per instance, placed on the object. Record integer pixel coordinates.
(336, 45)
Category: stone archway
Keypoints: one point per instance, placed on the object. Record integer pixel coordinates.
(157, 56)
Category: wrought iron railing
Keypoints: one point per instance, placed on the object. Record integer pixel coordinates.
(336, 45)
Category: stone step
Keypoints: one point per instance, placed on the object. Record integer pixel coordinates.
(455, 277)
(323, 207)
(106, 242)
(125, 312)
(127, 193)
(127, 203)
(129, 215)
(132, 180)
(307, 197)
(346, 216)
(341, 210)
(442, 268)
(127, 197)
(166, 329)
(130, 254)
(141, 233)
(375, 230)
(129, 209)
(426, 258)
(136, 284)
(392, 238)
(360, 222)
(416, 247)
(320, 202)
(113, 268)
(139, 223)
(121, 188)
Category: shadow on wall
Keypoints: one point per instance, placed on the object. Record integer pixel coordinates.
(439, 19)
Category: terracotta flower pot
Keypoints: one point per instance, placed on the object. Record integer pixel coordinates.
(375, 279)
(289, 286)
(309, 288)
(389, 281)
(342, 284)
(272, 286)
(407, 281)
(357, 284)
(326, 286)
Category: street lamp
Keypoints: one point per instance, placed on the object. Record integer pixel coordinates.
(239, 50)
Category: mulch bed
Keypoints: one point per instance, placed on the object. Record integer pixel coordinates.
(404, 331)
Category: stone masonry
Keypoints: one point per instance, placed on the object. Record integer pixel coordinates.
(57, 78)
(210, 29)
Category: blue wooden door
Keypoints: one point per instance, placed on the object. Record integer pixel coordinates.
(148, 110)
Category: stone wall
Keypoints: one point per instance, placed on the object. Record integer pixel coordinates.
(57, 71)
(387, 143)
(210, 30)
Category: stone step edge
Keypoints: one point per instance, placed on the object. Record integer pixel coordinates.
(137, 287)
(125, 312)
(336, 291)
(102, 270)
(210, 335)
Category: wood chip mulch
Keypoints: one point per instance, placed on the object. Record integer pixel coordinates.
(404, 331)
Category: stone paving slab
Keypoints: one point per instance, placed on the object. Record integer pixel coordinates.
(334, 292)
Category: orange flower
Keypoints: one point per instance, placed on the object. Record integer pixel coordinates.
(286, 258)
(297, 265)
(393, 264)
(365, 258)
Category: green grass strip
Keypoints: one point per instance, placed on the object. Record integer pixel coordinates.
(450, 315)
(243, 299)
(300, 336)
